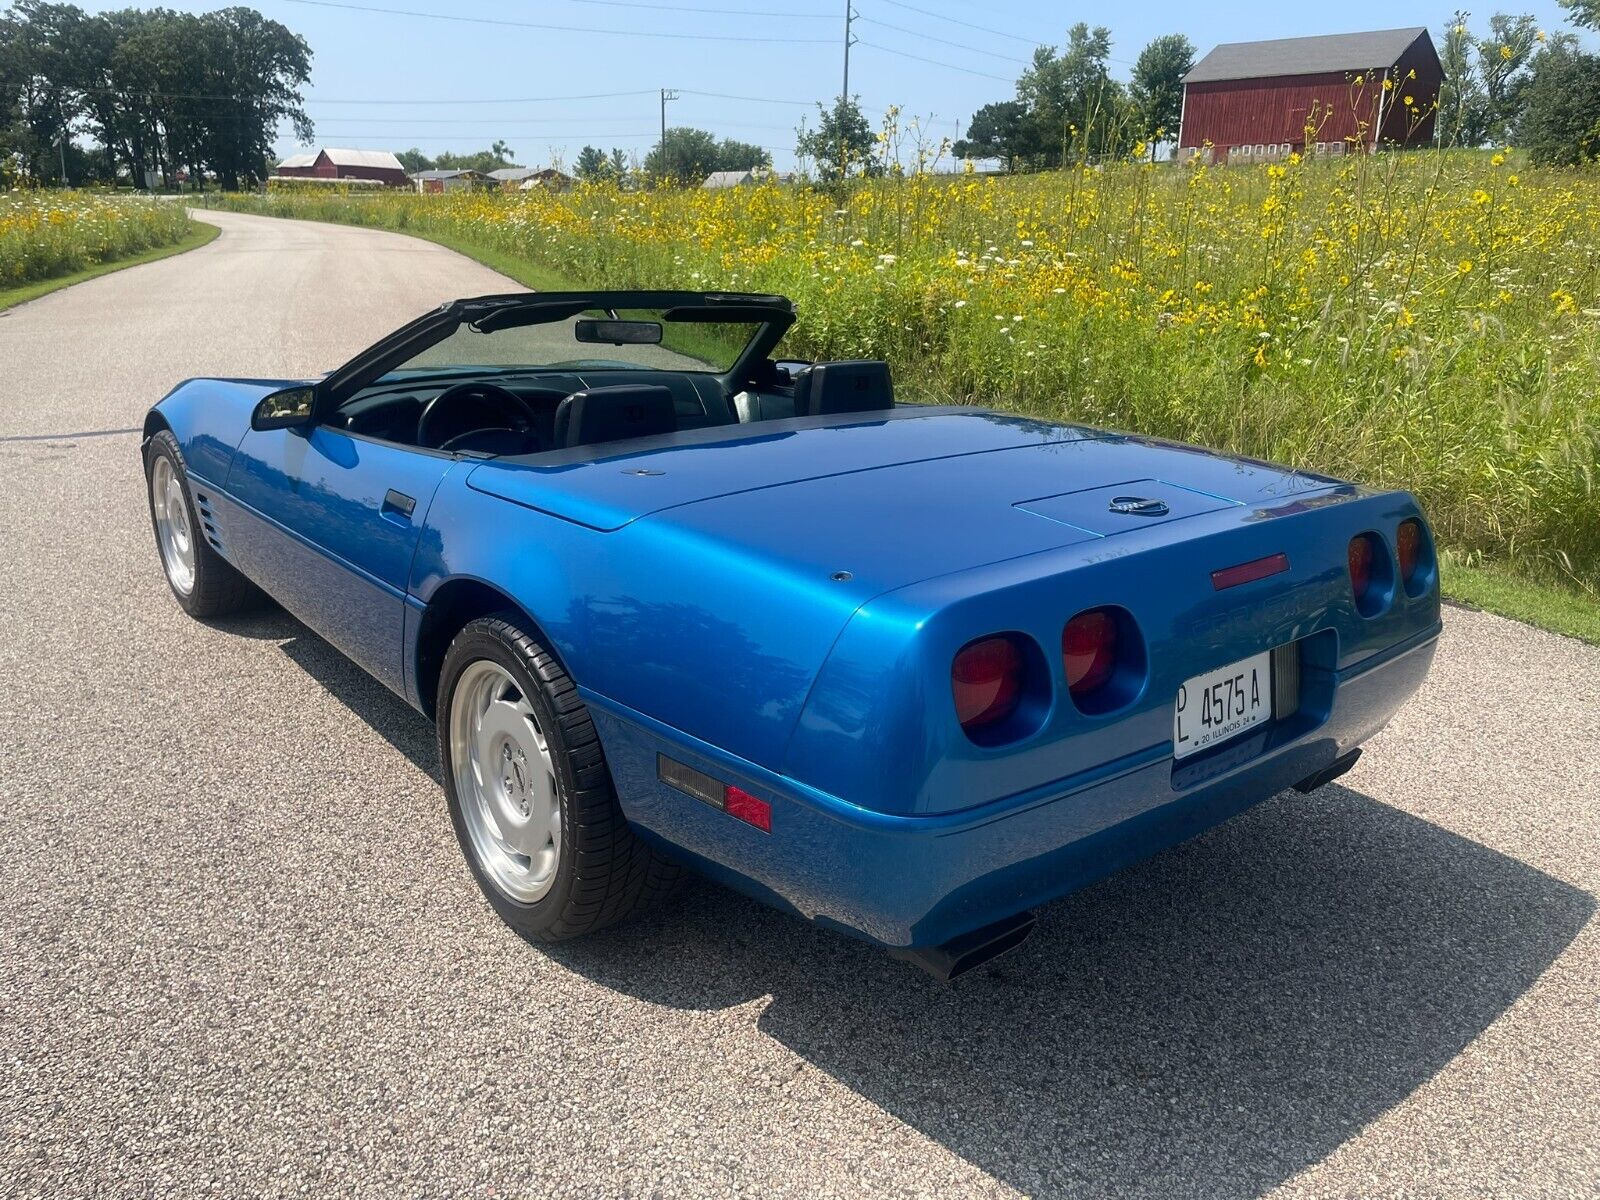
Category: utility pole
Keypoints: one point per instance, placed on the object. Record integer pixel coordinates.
(666, 94)
(63, 158)
(850, 15)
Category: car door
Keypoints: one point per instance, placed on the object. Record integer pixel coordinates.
(336, 521)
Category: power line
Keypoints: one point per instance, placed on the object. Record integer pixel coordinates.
(514, 122)
(747, 99)
(494, 121)
(936, 63)
(502, 100)
(940, 40)
(690, 8)
(498, 21)
(565, 135)
(1016, 37)
(153, 95)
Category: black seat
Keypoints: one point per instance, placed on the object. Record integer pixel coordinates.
(860, 385)
(609, 414)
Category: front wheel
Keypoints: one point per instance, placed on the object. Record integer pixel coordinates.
(530, 796)
(205, 584)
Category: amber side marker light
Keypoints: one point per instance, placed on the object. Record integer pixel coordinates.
(734, 801)
(1249, 572)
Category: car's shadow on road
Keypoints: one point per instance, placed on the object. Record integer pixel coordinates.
(1209, 1022)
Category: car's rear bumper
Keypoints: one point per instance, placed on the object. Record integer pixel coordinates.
(920, 881)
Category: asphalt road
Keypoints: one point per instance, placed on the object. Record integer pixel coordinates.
(240, 954)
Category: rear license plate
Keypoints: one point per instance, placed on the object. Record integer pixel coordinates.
(1221, 704)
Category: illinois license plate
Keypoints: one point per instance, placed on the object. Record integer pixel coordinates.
(1221, 704)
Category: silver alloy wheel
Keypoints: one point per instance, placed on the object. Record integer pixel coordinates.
(505, 781)
(173, 531)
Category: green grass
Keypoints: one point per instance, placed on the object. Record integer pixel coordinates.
(11, 297)
(528, 274)
(1553, 606)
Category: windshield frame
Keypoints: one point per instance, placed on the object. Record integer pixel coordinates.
(771, 315)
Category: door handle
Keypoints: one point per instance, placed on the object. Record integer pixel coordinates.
(399, 503)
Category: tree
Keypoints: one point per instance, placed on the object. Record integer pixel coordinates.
(1503, 59)
(1585, 13)
(619, 164)
(1078, 110)
(592, 165)
(1463, 118)
(1000, 130)
(414, 160)
(494, 158)
(734, 155)
(1560, 121)
(841, 145)
(160, 90)
(1156, 90)
(260, 66)
(685, 157)
(41, 44)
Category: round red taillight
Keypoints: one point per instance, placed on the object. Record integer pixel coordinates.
(1360, 557)
(1408, 547)
(1089, 650)
(986, 681)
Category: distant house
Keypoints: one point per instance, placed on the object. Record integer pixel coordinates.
(546, 177)
(373, 166)
(449, 180)
(728, 179)
(511, 178)
(1254, 100)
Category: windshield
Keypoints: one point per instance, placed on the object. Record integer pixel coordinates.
(609, 339)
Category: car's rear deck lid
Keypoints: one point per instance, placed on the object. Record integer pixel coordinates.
(606, 487)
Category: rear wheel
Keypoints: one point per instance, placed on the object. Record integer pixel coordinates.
(530, 796)
(201, 579)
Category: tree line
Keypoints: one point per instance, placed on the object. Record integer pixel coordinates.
(159, 93)
(1518, 84)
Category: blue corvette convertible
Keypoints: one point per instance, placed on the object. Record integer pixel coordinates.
(907, 671)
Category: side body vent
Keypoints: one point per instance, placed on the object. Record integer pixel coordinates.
(208, 521)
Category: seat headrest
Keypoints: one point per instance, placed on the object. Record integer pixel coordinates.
(609, 414)
(861, 385)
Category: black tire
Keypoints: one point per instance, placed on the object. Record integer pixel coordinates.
(217, 587)
(603, 873)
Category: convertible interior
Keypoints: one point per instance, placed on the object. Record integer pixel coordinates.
(506, 379)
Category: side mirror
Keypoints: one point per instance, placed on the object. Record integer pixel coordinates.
(287, 409)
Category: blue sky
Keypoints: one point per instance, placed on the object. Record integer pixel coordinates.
(408, 62)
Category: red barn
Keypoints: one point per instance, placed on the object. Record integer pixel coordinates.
(377, 166)
(1252, 100)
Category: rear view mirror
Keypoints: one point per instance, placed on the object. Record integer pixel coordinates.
(618, 333)
(286, 409)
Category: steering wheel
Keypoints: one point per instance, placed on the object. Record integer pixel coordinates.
(499, 408)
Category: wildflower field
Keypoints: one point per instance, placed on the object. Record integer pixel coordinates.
(1429, 321)
(44, 234)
